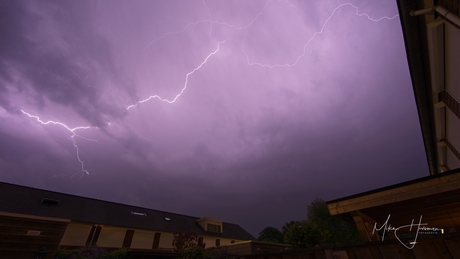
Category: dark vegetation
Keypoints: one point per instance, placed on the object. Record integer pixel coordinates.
(319, 229)
(91, 252)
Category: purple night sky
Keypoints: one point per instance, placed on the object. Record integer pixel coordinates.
(257, 107)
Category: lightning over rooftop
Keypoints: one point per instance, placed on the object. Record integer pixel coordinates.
(207, 107)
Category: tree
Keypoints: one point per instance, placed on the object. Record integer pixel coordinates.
(286, 227)
(183, 241)
(189, 245)
(319, 229)
(271, 234)
(295, 234)
(318, 210)
(339, 231)
(304, 234)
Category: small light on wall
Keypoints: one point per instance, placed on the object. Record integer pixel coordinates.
(41, 253)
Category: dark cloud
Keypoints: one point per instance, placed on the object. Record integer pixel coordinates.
(57, 56)
(256, 111)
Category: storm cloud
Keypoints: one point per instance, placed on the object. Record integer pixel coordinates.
(257, 107)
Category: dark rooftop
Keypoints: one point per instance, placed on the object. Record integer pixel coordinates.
(418, 180)
(31, 201)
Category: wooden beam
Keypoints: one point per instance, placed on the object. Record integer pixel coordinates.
(406, 192)
(365, 226)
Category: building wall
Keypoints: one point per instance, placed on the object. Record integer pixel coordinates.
(166, 240)
(143, 239)
(444, 54)
(22, 235)
(76, 234)
(211, 241)
(452, 59)
(452, 76)
(224, 241)
(111, 237)
(453, 135)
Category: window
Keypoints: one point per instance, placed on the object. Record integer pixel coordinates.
(50, 201)
(93, 235)
(128, 238)
(156, 241)
(210, 224)
(138, 213)
(214, 228)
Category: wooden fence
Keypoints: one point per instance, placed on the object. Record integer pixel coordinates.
(442, 247)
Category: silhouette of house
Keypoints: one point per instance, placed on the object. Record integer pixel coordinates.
(32, 218)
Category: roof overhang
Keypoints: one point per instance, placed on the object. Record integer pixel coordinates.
(416, 42)
(435, 199)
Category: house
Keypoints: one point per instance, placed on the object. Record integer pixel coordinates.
(32, 218)
(433, 200)
(431, 30)
(432, 35)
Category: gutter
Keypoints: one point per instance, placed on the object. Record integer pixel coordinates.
(451, 17)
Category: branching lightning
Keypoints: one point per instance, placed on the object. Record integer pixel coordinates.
(209, 56)
(242, 49)
(316, 34)
(72, 130)
(185, 84)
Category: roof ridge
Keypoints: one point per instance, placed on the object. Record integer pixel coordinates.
(112, 202)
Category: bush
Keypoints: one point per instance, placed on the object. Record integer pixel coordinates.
(182, 241)
(195, 252)
(62, 253)
(117, 254)
(91, 252)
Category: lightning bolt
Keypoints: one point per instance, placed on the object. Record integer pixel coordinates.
(74, 135)
(314, 35)
(185, 84)
(71, 130)
(242, 49)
